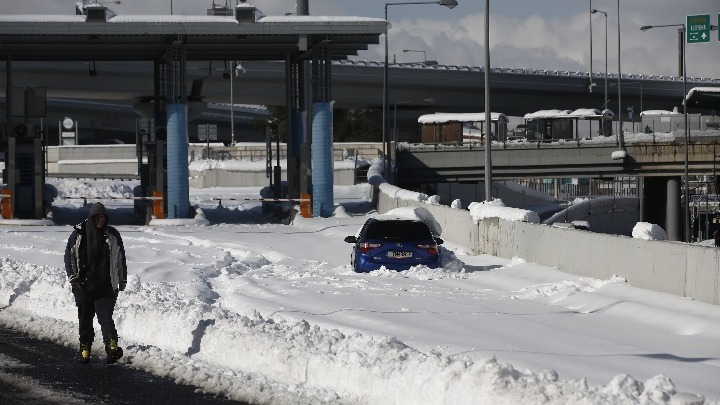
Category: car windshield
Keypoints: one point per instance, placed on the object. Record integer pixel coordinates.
(398, 230)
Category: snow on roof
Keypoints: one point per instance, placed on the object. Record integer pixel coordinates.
(582, 113)
(312, 19)
(41, 18)
(704, 90)
(546, 114)
(695, 90)
(658, 112)
(414, 214)
(441, 118)
(130, 18)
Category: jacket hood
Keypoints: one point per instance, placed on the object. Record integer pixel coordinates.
(98, 208)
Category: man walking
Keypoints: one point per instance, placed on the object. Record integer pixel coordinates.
(95, 265)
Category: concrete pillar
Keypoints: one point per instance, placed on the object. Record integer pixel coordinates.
(673, 224)
(178, 192)
(322, 159)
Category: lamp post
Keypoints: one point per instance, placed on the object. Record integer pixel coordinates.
(621, 135)
(488, 118)
(233, 73)
(414, 50)
(595, 11)
(386, 105)
(591, 49)
(681, 28)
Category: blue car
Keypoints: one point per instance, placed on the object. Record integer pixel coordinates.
(396, 244)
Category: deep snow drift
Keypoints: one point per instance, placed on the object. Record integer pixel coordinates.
(273, 314)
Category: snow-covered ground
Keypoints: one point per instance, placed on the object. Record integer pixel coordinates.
(273, 314)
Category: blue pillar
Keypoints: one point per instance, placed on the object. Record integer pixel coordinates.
(178, 187)
(322, 159)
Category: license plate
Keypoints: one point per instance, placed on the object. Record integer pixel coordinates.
(399, 255)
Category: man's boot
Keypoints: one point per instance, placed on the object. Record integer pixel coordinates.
(85, 352)
(113, 351)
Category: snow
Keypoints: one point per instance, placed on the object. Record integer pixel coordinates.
(415, 214)
(582, 113)
(648, 231)
(273, 314)
(546, 114)
(497, 209)
(658, 112)
(441, 118)
(694, 90)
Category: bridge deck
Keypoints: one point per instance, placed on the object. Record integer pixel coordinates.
(422, 164)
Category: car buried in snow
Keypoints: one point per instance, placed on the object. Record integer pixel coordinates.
(394, 243)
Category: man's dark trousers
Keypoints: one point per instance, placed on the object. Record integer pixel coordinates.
(90, 303)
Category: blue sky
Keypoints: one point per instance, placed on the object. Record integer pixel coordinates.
(540, 34)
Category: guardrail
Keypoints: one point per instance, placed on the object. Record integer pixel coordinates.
(158, 200)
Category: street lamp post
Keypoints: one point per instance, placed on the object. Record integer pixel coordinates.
(621, 135)
(681, 28)
(488, 118)
(233, 72)
(594, 11)
(414, 50)
(386, 104)
(591, 49)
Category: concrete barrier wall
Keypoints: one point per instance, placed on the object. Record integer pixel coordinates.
(671, 267)
(121, 160)
(248, 178)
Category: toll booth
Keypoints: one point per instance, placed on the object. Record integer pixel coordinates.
(151, 144)
(460, 128)
(553, 125)
(24, 174)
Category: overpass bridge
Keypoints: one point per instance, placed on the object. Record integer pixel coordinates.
(355, 84)
(425, 164)
(658, 167)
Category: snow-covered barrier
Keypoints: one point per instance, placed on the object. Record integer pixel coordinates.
(677, 268)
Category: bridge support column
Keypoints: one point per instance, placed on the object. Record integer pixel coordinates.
(673, 223)
(322, 134)
(176, 110)
(178, 196)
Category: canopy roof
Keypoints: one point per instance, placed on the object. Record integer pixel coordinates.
(148, 37)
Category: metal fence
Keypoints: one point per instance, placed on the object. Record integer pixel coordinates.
(569, 189)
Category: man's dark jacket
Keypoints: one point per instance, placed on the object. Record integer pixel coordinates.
(76, 263)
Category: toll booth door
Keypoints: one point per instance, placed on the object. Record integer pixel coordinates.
(25, 186)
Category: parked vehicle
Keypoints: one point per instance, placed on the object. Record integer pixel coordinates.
(396, 244)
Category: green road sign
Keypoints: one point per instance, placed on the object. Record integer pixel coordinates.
(697, 29)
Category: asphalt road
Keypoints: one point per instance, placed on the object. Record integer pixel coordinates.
(43, 372)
